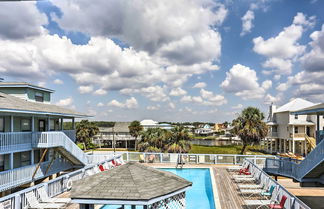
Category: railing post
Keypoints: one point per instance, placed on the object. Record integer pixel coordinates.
(17, 202)
(234, 159)
(161, 156)
(216, 159)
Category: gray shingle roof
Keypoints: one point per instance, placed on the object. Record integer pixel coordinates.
(13, 104)
(132, 181)
(121, 127)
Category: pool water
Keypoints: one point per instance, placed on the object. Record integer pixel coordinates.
(199, 196)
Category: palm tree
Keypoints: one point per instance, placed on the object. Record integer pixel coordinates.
(179, 141)
(85, 130)
(135, 128)
(249, 126)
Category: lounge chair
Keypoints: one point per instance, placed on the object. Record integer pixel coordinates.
(261, 203)
(34, 203)
(101, 168)
(255, 176)
(237, 168)
(262, 183)
(141, 158)
(281, 205)
(45, 198)
(151, 158)
(263, 192)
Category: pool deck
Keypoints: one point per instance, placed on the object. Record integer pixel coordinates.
(229, 197)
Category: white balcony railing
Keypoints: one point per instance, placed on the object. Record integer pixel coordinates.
(15, 141)
(18, 176)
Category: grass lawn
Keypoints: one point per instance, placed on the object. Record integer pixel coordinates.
(229, 149)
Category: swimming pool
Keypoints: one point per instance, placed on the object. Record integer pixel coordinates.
(200, 195)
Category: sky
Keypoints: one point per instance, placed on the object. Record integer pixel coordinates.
(184, 60)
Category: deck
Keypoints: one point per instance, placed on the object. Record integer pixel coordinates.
(229, 197)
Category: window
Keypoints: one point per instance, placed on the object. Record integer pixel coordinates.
(25, 125)
(1, 124)
(4, 162)
(22, 159)
(296, 117)
(39, 97)
(296, 130)
(52, 125)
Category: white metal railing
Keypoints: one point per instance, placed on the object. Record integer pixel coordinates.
(15, 140)
(18, 176)
(71, 134)
(292, 201)
(53, 187)
(295, 170)
(58, 139)
(187, 158)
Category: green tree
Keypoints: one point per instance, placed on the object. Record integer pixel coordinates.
(179, 140)
(249, 126)
(85, 130)
(135, 128)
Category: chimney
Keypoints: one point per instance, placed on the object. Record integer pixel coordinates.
(272, 109)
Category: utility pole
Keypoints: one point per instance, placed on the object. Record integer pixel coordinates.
(114, 142)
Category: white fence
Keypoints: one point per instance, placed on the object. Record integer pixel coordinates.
(187, 158)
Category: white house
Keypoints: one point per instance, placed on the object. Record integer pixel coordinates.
(204, 129)
(148, 123)
(289, 132)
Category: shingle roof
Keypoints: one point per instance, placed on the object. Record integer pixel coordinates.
(10, 103)
(23, 84)
(294, 105)
(122, 126)
(132, 181)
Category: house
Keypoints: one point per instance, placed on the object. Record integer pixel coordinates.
(165, 126)
(115, 137)
(148, 123)
(289, 132)
(33, 142)
(204, 129)
(219, 127)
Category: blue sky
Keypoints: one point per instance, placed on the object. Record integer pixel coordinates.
(187, 60)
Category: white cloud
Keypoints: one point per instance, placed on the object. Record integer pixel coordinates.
(313, 61)
(200, 85)
(247, 24)
(20, 20)
(65, 102)
(238, 106)
(130, 103)
(243, 82)
(266, 84)
(85, 89)
(282, 50)
(58, 81)
(153, 107)
(100, 92)
(172, 105)
(100, 104)
(282, 87)
(177, 92)
(207, 98)
(269, 99)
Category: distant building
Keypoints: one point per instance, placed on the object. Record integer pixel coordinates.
(118, 134)
(147, 123)
(219, 127)
(165, 126)
(289, 132)
(204, 129)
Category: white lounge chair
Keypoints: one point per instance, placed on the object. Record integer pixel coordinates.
(45, 198)
(34, 203)
(237, 168)
(263, 182)
(261, 203)
(255, 176)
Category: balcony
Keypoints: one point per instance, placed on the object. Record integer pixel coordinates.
(16, 141)
(273, 134)
(19, 176)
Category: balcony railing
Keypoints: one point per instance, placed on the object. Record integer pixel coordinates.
(58, 139)
(18, 176)
(15, 141)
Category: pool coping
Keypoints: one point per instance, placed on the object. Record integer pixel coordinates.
(215, 191)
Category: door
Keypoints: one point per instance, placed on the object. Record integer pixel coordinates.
(308, 131)
(41, 125)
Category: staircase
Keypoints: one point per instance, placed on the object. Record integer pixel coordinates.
(311, 141)
(311, 169)
(62, 143)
